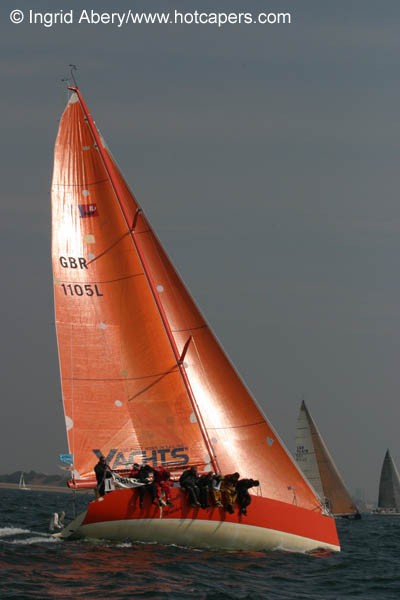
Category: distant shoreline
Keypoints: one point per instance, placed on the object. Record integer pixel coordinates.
(41, 488)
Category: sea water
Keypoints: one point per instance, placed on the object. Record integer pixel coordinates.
(33, 564)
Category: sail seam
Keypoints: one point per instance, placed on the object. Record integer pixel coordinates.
(174, 369)
(78, 185)
(189, 329)
(119, 378)
(103, 280)
(237, 426)
(110, 247)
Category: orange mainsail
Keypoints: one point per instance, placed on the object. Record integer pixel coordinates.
(143, 377)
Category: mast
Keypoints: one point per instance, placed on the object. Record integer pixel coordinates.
(179, 357)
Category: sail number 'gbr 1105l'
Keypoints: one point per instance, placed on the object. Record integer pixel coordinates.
(77, 289)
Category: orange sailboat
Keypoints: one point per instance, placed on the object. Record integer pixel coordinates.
(145, 381)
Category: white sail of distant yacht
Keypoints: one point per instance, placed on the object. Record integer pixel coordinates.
(22, 485)
(389, 488)
(314, 459)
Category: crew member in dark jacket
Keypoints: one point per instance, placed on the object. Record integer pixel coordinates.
(146, 476)
(189, 482)
(205, 489)
(243, 496)
(102, 471)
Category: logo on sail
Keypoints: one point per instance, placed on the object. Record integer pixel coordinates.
(88, 210)
(155, 456)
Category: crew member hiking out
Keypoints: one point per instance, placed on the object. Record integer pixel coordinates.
(189, 482)
(146, 476)
(228, 489)
(205, 489)
(162, 482)
(243, 496)
(216, 495)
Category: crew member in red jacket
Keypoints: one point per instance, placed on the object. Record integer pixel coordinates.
(162, 482)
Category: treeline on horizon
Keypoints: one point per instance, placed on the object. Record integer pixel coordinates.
(34, 478)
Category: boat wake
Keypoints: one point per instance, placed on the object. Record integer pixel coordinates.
(6, 531)
(23, 537)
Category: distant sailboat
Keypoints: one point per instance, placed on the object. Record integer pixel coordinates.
(144, 380)
(389, 488)
(315, 461)
(22, 485)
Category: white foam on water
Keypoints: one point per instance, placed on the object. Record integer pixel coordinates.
(7, 531)
(34, 540)
(124, 545)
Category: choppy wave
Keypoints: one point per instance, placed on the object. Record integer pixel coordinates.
(36, 565)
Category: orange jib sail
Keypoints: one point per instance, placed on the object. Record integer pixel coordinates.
(143, 377)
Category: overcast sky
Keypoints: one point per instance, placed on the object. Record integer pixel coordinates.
(267, 160)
